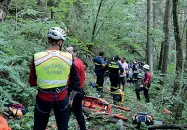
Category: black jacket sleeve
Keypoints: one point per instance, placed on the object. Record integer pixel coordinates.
(74, 82)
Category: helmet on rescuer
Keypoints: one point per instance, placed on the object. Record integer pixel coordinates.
(56, 33)
(146, 66)
(116, 58)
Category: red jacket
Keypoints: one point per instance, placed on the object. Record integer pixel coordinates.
(147, 78)
(80, 70)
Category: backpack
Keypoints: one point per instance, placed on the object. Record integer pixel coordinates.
(4, 124)
(14, 110)
(118, 95)
(143, 118)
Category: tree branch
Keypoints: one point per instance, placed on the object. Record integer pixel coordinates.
(104, 21)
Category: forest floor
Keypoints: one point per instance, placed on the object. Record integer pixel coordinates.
(105, 123)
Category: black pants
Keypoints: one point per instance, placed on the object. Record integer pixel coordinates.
(42, 112)
(135, 75)
(77, 110)
(100, 82)
(114, 80)
(146, 94)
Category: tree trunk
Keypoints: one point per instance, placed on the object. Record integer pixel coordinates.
(168, 126)
(104, 20)
(167, 37)
(4, 9)
(178, 107)
(185, 63)
(149, 35)
(179, 56)
(161, 55)
(95, 24)
(1, 15)
(184, 89)
(52, 14)
(154, 15)
(38, 2)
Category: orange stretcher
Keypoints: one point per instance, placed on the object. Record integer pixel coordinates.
(99, 106)
(4, 124)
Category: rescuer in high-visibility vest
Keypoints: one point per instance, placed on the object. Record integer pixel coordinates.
(51, 71)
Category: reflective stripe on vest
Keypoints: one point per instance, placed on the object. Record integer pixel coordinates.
(113, 65)
(52, 68)
(114, 87)
(52, 54)
(56, 82)
(97, 64)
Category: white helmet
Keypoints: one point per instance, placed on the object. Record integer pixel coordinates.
(146, 66)
(56, 33)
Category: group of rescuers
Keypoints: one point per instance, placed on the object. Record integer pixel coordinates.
(117, 70)
(60, 75)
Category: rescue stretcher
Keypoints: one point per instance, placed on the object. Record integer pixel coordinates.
(100, 106)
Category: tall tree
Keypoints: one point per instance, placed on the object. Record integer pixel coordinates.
(1, 15)
(185, 31)
(185, 63)
(149, 34)
(167, 37)
(179, 57)
(161, 56)
(96, 19)
(154, 14)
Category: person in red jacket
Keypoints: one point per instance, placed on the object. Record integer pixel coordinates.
(77, 101)
(146, 82)
(51, 70)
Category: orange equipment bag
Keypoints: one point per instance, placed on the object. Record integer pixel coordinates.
(4, 124)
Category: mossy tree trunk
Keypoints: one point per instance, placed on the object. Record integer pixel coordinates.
(167, 36)
(149, 35)
(178, 107)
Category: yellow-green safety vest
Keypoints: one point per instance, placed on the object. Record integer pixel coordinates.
(52, 68)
